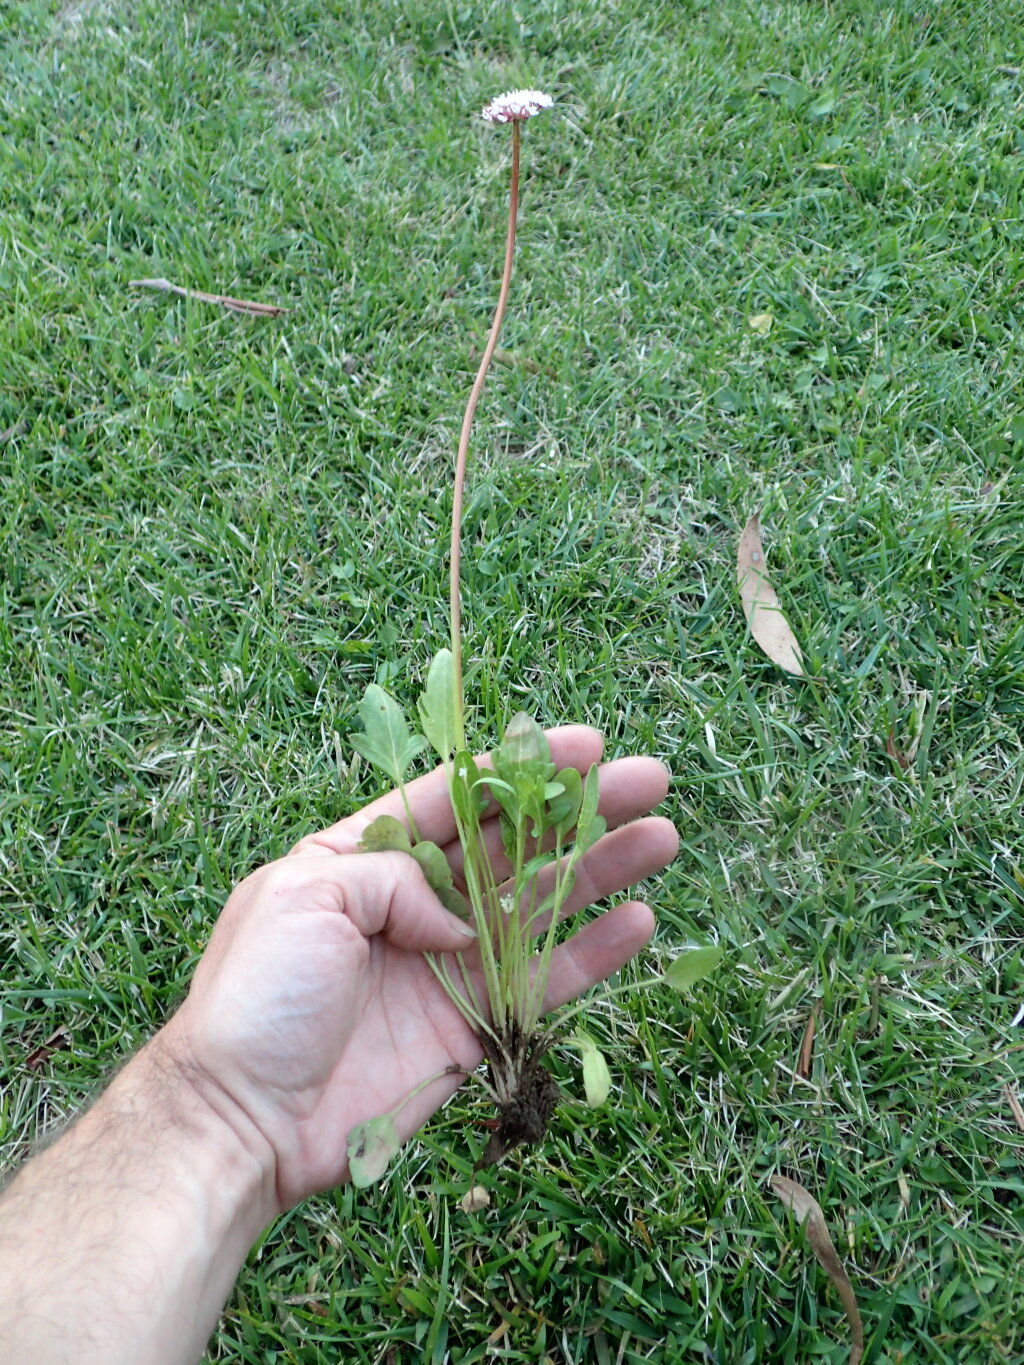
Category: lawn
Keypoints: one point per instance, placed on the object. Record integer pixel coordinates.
(772, 256)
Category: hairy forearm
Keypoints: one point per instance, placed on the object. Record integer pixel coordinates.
(120, 1243)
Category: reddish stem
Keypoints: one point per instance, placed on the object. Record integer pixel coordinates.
(467, 423)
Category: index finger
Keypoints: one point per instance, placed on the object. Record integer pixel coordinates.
(572, 746)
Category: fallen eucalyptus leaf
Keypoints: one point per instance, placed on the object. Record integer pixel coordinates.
(371, 1145)
(691, 965)
(760, 604)
(808, 1213)
(57, 1041)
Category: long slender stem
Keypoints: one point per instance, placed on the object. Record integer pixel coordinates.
(467, 423)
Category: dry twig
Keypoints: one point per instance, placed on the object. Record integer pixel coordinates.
(268, 310)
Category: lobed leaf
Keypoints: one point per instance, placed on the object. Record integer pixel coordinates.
(385, 739)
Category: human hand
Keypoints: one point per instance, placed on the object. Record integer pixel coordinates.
(313, 1008)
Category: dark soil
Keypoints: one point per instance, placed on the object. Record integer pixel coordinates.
(530, 1092)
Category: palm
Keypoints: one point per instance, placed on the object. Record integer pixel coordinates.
(326, 1012)
(407, 1031)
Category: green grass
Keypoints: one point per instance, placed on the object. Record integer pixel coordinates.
(214, 531)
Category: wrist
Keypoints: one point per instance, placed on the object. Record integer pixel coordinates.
(121, 1241)
(216, 1146)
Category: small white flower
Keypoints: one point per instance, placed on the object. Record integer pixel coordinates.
(516, 105)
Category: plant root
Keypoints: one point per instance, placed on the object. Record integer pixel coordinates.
(527, 1093)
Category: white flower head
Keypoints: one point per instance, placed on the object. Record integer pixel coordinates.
(516, 105)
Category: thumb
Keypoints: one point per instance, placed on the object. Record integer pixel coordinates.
(379, 893)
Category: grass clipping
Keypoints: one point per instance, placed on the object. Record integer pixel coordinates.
(808, 1212)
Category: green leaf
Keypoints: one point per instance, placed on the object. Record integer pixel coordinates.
(523, 761)
(385, 835)
(371, 1146)
(509, 835)
(597, 1079)
(691, 965)
(533, 867)
(434, 864)
(438, 875)
(524, 752)
(563, 810)
(504, 793)
(468, 791)
(385, 739)
(568, 881)
(453, 901)
(589, 825)
(438, 706)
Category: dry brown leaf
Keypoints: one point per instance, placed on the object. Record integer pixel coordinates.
(39, 1056)
(808, 1212)
(803, 1066)
(475, 1199)
(897, 754)
(1015, 1106)
(761, 606)
(904, 1189)
(498, 1332)
(269, 310)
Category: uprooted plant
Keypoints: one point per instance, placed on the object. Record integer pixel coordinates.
(548, 820)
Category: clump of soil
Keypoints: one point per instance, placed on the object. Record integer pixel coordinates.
(527, 1092)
